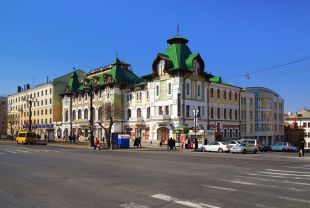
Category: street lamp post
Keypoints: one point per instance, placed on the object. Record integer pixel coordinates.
(195, 112)
(90, 89)
(30, 100)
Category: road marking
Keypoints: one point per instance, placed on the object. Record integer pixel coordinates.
(1, 153)
(286, 174)
(294, 199)
(242, 182)
(271, 180)
(264, 206)
(182, 202)
(286, 171)
(221, 188)
(274, 176)
(12, 152)
(133, 205)
(23, 151)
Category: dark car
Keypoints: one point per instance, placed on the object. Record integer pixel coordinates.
(264, 148)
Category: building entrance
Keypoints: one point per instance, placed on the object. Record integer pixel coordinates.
(163, 134)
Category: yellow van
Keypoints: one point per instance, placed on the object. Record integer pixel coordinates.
(26, 137)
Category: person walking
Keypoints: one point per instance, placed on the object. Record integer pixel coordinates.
(139, 142)
(302, 148)
(97, 144)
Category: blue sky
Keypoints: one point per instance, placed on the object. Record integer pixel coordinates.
(49, 38)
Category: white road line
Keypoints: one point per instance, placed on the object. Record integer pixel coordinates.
(274, 176)
(294, 199)
(242, 182)
(1, 153)
(285, 174)
(264, 206)
(12, 152)
(271, 180)
(182, 202)
(286, 171)
(23, 151)
(133, 205)
(221, 188)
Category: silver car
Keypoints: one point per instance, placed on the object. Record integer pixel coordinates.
(244, 148)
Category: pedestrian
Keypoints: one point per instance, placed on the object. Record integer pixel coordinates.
(45, 137)
(302, 148)
(171, 143)
(135, 143)
(160, 143)
(139, 142)
(97, 144)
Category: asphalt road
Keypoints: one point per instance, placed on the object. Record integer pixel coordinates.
(50, 177)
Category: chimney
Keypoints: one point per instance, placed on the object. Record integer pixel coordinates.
(19, 89)
(27, 86)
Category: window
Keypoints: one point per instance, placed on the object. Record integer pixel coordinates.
(50, 100)
(236, 96)
(230, 95)
(157, 90)
(45, 101)
(42, 95)
(38, 94)
(236, 114)
(66, 116)
(198, 90)
(140, 95)
(139, 112)
(225, 114)
(41, 102)
(308, 124)
(212, 112)
(211, 92)
(187, 110)
(225, 94)
(148, 112)
(199, 112)
(137, 96)
(230, 113)
(218, 113)
(128, 113)
(73, 115)
(167, 109)
(100, 114)
(304, 124)
(86, 113)
(50, 90)
(79, 114)
(218, 91)
(169, 88)
(85, 96)
(147, 95)
(187, 89)
(160, 110)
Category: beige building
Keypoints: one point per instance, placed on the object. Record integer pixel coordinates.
(3, 116)
(247, 115)
(43, 101)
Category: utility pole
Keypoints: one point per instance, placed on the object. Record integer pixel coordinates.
(91, 121)
(195, 112)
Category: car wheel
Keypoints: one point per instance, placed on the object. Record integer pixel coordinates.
(220, 150)
(203, 149)
(244, 151)
(255, 151)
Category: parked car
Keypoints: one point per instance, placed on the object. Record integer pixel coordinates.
(244, 148)
(250, 141)
(264, 148)
(283, 146)
(232, 143)
(215, 147)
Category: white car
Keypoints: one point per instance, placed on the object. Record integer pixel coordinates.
(244, 148)
(232, 143)
(215, 147)
(283, 146)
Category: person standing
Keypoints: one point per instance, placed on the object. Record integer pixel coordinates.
(97, 144)
(302, 148)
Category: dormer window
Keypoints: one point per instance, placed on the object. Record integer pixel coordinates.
(196, 67)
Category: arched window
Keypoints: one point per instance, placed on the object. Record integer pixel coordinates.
(148, 112)
(139, 112)
(128, 113)
(73, 115)
(100, 113)
(93, 112)
(86, 113)
(66, 116)
(79, 114)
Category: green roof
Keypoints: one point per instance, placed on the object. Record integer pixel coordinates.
(73, 84)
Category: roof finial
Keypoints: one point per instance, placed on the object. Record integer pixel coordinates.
(73, 68)
(178, 29)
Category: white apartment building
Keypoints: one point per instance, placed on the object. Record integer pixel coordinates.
(247, 115)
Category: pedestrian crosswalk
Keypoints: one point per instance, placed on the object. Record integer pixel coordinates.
(25, 151)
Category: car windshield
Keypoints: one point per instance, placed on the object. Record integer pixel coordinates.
(21, 134)
(242, 144)
(31, 135)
